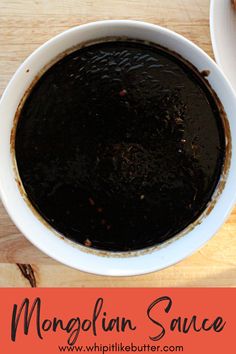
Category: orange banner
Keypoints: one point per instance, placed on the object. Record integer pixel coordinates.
(117, 320)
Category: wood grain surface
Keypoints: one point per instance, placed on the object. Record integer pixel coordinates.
(26, 24)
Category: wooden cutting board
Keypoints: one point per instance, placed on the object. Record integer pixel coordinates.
(26, 24)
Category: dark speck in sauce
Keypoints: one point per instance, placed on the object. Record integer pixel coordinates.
(120, 146)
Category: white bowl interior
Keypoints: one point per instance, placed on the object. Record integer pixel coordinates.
(223, 29)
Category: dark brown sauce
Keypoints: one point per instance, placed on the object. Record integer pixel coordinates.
(120, 146)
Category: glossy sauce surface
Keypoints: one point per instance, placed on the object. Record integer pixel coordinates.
(120, 146)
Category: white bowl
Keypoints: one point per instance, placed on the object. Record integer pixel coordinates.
(223, 33)
(67, 252)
